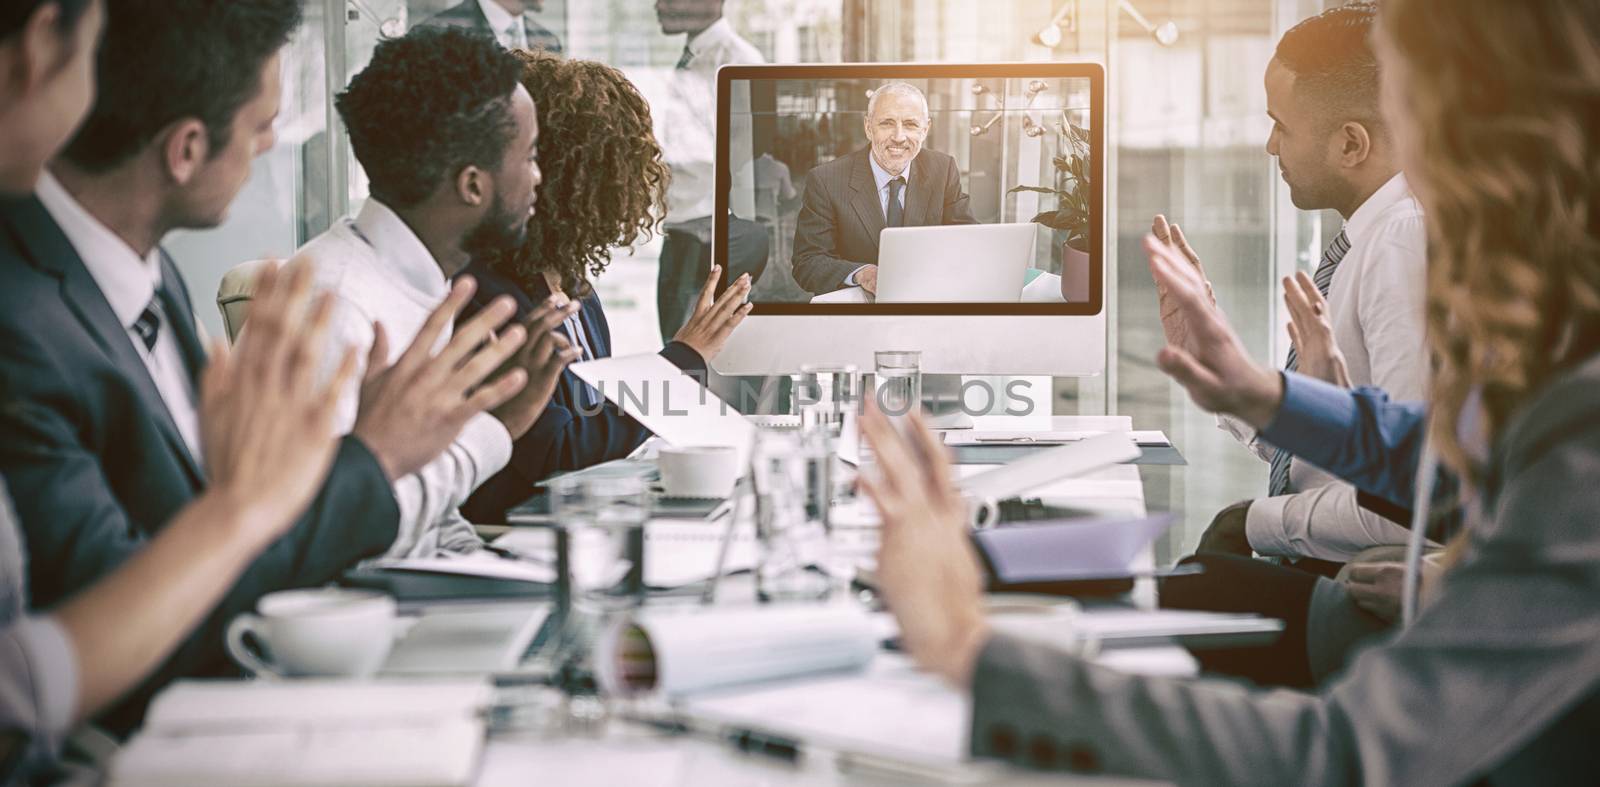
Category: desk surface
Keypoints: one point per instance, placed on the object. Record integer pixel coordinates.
(640, 756)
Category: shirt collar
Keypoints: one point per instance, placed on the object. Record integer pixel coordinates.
(498, 18)
(881, 176)
(1388, 194)
(127, 281)
(719, 31)
(400, 250)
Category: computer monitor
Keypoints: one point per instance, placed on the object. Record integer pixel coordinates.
(803, 188)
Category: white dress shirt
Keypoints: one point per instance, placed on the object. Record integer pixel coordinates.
(687, 126)
(380, 271)
(881, 177)
(129, 282)
(508, 29)
(1375, 304)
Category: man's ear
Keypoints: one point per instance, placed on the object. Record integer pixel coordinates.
(185, 148)
(30, 54)
(473, 186)
(1355, 144)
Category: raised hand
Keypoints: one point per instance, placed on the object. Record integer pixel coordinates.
(541, 361)
(927, 569)
(1312, 332)
(714, 319)
(411, 411)
(1211, 362)
(266, 427)
(1172, 321)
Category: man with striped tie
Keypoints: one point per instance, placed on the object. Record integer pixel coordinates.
(1335, 153)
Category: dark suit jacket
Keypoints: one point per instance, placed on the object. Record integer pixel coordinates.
(576, 430)
(840, 216)
(468, 16)
(96, 464)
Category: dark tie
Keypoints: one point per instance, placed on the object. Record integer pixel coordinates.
(683, 61)
(1278, 474)
(896, 212)
(148, 326)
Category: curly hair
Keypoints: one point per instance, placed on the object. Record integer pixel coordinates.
(605, 183)
(1501, 99)
(430, 103)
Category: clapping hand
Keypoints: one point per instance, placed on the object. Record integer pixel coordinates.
(1173, 322)
(1312, 332)
(412, 410)
(266, 426)
(714, 318)
(927, 569)
(541, 362)
(1210, 361)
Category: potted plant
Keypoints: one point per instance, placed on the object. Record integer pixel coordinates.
(1071, 214)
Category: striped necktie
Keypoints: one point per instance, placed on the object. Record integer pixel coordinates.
(148, 324)
(1278, 474)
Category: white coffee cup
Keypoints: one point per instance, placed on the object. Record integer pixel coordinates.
(321, 631)
(698, 471)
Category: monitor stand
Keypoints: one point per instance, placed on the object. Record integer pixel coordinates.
(941, 402)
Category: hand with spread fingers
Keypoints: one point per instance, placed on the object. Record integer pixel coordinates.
(411, 411)
(1173, 322)
(1210, 362)
(714, 318)
(1312, 332)
(266, 426)
(928, 571)
(541, 360)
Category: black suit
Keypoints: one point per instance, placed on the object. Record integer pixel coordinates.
(841, 216)
(97, 465)
(469, 16)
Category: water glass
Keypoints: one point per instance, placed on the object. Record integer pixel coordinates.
(827, 397)
(898, 378)
(601, 523)
(790, 528)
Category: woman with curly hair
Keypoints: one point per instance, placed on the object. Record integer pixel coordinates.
(1495, 676)
(604, 187)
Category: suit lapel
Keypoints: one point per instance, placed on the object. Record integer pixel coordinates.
(180, 312)
(864, 198)
(921, 193)
(50, 250)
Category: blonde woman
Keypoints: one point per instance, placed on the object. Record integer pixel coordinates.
(1496, 676)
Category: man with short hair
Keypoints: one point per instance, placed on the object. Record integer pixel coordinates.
(892, 182)
(449, 141)
(1335, 153)
(101, 355)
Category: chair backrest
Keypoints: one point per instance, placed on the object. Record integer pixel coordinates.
(234, 294)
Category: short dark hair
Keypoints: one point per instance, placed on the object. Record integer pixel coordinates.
(14, 14)
(430, 102)
(165, 60)
(1331, 57)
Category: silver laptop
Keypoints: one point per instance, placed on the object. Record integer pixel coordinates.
(963, 263)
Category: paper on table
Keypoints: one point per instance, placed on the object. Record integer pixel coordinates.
(1068, 549)
(670, 403)
(1047, 466)
(704, 649)
(451, 640)
(1150, 438)
(474, 564)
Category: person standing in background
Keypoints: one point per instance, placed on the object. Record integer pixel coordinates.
(509, 21)
(686, 128)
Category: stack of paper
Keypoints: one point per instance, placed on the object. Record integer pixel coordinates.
(308, 732)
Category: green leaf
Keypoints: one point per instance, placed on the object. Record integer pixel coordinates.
(1035, 190)
(1051, 219)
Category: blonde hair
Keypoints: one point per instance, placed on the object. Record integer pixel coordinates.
(1503, 98)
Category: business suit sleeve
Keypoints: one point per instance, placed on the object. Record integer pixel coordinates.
(77, 532)
(1503, 658)
(817, 269)
(1357, 435)
(957, 207)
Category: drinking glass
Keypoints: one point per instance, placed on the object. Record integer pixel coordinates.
(898, 379)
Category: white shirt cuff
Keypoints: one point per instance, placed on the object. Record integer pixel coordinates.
(1263, 527)
(850, 279)
(489, 444)
(54, 669)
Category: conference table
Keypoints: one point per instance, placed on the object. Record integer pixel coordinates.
(571, 746)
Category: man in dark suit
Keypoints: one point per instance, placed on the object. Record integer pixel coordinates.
(99, 350)
(508, 21)
(893, 182)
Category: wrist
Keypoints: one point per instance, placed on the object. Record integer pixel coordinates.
(1261, 400)
(386, 463)
(960, 659)
(241, 521)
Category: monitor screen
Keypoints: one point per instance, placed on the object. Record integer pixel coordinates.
(912, 189)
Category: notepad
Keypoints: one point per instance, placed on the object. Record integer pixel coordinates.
(308, 732)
